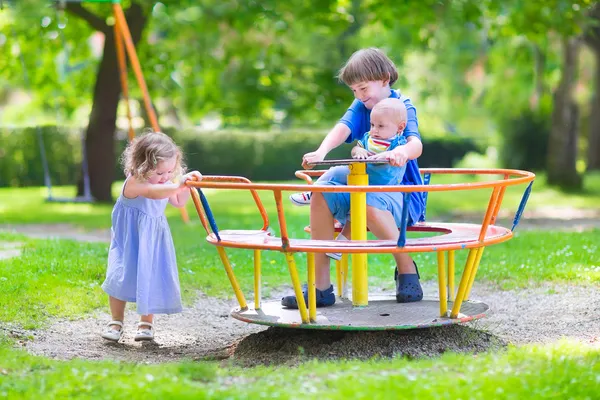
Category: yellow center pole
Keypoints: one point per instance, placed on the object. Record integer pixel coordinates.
(358, 216)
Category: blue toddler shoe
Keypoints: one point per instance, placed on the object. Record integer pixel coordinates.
(408, 287)
(325, 298)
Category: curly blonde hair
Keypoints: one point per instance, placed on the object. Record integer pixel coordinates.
(142, 155)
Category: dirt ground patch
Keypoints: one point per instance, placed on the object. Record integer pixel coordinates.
(206, 331)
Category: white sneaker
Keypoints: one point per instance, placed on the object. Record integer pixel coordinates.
(337, 256)
(301, 199)
(112, 334)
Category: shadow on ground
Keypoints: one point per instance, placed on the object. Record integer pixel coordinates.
(280, 346)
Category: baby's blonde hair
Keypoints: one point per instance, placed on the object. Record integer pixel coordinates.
(142, 155)
(368, 65)
(392, 107)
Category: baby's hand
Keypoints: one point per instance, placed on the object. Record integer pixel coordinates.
(360, 153)
(396, 157)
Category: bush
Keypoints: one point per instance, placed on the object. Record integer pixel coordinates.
(20, 160)
(446, 151)
(257, 156)
(525, 140)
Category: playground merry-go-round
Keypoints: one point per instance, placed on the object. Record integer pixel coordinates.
(356, 310)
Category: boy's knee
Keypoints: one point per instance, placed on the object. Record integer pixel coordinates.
(373, 213)
(316, 198)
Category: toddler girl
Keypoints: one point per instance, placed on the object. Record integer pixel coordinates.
(141, 260)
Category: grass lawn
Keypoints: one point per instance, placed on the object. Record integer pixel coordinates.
(62, 277)
(562, 370)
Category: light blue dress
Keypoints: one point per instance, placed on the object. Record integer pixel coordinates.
(142, 267)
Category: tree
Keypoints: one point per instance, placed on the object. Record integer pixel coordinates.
(592, 39)
(562, 147)
(100, 133)
(552, 21)
(41, 48)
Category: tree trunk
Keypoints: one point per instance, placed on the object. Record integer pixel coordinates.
(539, 68)
(562, 148)
(592, 39)
(100, 133)
(593, 155)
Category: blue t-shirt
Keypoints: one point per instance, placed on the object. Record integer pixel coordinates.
(358, 119)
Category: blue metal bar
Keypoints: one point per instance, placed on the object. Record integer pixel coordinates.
(426, 180)
(209, 215)
(522, 206)
(404, 221)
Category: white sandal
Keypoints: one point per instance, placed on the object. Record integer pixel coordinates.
(144, 334)
(112, 334)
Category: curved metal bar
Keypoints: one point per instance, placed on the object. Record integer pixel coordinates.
(466, 239)
(209, 215)
(197, 203)
(522, 177)
(522, 206)
(255, 196)
(403, 222)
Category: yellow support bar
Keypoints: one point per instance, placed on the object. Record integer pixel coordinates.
(474, 272)
(358, 215)
(339, 277)
(344, 267)
(312, 295)
(451, 275)
(297, 288)
(257, 279)
(234, 284)
(464, 281)
(442, 283)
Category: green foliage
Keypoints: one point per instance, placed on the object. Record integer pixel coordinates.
(50, 56)
(525, 139)
(20, 161)
(446, 151)
(255, 155)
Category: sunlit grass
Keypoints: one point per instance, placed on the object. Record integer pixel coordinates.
(562, 370)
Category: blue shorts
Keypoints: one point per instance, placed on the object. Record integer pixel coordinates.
(339, 203)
